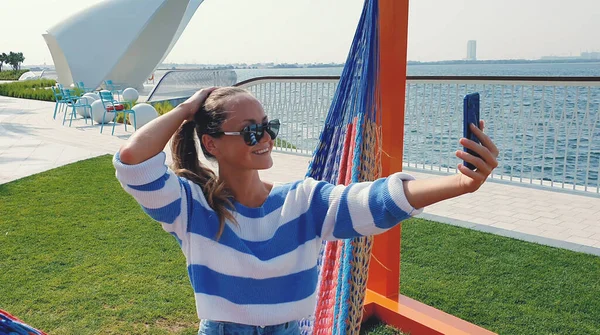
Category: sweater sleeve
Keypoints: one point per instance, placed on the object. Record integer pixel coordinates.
(160, 192)
(359, 209)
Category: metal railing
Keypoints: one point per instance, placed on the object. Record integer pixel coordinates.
(301, 103)
(43, 74)
(184, 83)
(547, 129)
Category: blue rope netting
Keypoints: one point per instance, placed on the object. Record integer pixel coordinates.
(356, 97)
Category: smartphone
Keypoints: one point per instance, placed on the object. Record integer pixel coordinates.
(470, 115)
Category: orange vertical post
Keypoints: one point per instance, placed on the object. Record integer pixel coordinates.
(383, 299)
(384, 270)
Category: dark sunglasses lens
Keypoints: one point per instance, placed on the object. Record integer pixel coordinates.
(252, 134)
(273, 129)
(251, 139)
(255, 132)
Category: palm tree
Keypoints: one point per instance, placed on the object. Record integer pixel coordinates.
(3, 59)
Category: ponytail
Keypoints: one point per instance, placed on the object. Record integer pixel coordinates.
(187, 165)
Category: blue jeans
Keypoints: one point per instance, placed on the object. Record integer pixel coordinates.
(208, 327)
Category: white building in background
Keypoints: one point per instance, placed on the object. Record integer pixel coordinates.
(119, 40)
(472, 50)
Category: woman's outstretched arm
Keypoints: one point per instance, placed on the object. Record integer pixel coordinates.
(425, 192)
(370, 208)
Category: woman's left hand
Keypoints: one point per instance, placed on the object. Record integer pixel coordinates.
(471, 180)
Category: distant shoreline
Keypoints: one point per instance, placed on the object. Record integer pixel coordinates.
(175, 66)
(410, 63)
(506, 61)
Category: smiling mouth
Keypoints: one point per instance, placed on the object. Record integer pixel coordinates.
(261, 152)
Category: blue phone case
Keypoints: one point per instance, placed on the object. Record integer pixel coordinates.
(470, 115)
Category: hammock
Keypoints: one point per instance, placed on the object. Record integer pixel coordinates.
(11, 325)
(349, 151)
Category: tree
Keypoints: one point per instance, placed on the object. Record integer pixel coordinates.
(20, 60)
(12, 60)
(3, 59)
(15, 59)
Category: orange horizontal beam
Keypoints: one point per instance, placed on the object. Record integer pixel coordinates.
(416, 318)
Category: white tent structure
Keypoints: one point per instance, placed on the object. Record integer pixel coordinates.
(119, 40)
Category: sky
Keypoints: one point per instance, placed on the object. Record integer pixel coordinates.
(307, 31)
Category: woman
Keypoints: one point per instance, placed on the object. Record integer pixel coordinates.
(252, 247)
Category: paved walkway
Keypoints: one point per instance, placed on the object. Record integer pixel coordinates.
(32, 142)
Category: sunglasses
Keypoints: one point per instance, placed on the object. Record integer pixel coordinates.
(254, 133)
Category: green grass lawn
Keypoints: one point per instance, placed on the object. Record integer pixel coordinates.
(502, 284)
(373, 327)
(78, 256)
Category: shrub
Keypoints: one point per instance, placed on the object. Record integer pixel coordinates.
(30, 89)
(163, 107)
(12, 75)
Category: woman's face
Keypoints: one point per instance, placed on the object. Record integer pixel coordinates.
(231, 151)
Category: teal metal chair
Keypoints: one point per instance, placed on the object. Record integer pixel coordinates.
(59, 99)
(113, 88)
(74, 101)
(82, 87)
(113, 106)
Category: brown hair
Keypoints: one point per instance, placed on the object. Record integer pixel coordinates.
(207, 120)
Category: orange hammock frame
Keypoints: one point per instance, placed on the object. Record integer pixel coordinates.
(383, 299)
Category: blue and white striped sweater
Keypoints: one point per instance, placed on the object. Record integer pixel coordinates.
(264, 270)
